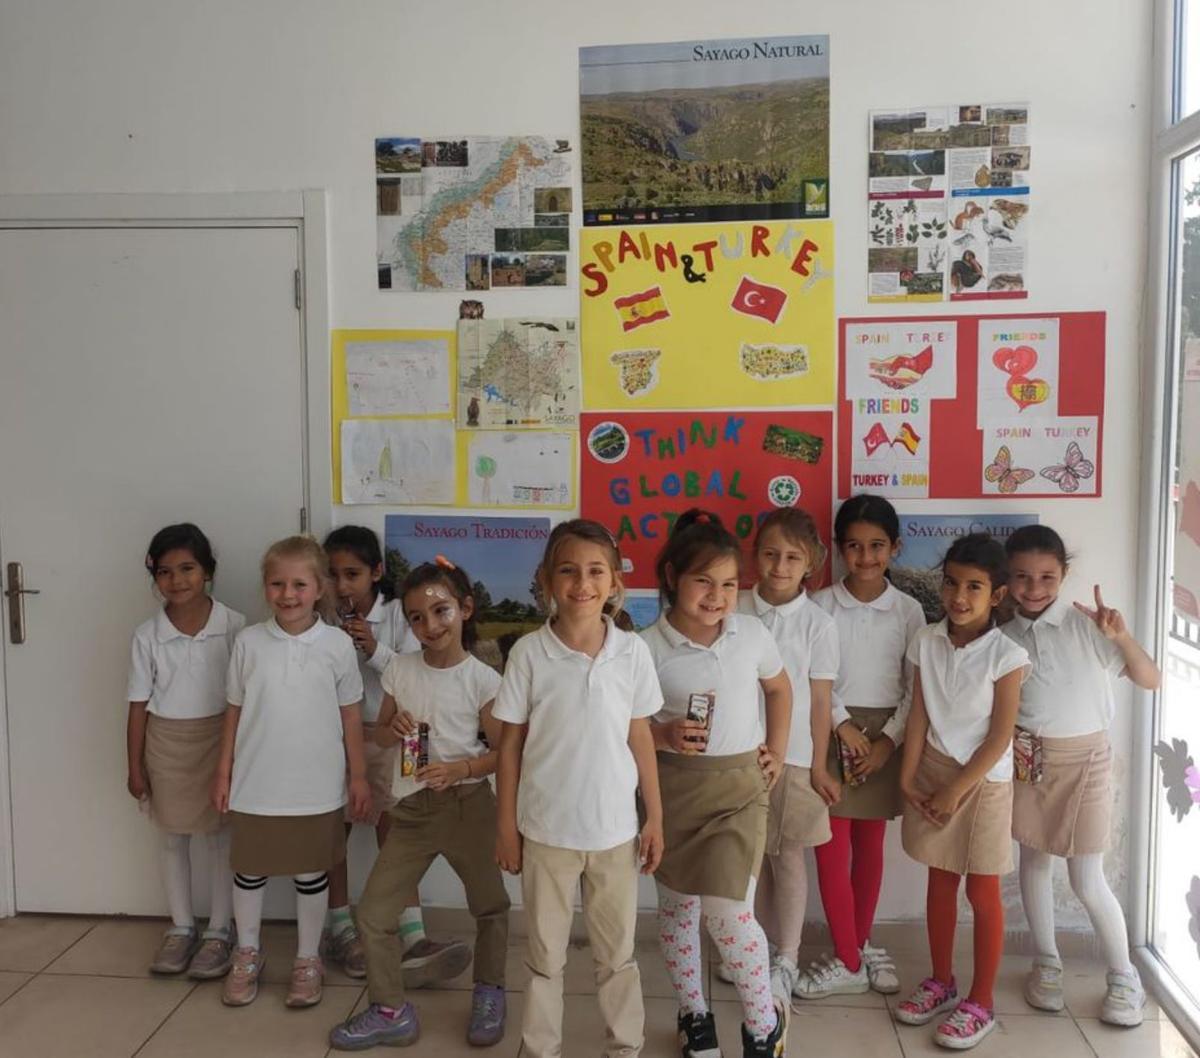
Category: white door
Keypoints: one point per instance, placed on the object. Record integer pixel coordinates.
(147, 376)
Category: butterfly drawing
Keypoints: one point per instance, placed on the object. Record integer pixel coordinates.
(1066, 475)
(1002, 471)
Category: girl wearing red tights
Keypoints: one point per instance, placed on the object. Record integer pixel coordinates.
(956, 778)
(875, 624)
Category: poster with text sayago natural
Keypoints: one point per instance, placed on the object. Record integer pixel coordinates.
(641, 470)
(705, 130)
(708, 315)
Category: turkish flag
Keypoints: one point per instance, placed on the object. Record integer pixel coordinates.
(758, 299)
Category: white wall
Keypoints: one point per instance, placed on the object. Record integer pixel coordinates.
(166, 95)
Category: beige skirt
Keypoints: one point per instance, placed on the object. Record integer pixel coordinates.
(797, 816)
(978, 837)
(380, 765)
(1068, 813)
(878, 797)
(181, 757)
(274, 845)
(714, 823)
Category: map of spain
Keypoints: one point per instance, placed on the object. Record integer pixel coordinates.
(472, 214)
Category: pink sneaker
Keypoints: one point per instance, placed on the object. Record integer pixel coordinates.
(241, 983)
(929, 1000)
(969, 1024)
(308, 975)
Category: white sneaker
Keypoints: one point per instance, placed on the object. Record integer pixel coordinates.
(1044, 985)
(784, 974)
(829, 977)
(1124, 999)
(881, 971)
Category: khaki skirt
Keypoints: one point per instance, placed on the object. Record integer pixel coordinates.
(380, 766)
(714, 823)
(797, 816)
(978, 837)
(273, 845)
(878, 797)
(181, 758)
(1068, 813)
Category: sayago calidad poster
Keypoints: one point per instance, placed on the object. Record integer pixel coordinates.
(705, 130)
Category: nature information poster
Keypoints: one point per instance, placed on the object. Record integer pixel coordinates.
(708, 315)
(705, 130)
(948, 203)
(476, 213)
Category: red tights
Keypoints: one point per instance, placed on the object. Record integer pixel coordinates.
(941, 915)
(850, 872)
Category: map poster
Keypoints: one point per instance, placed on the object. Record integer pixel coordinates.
(518, 374)
(708, 315)
(641, 470)
(705, 130)
(476, 213)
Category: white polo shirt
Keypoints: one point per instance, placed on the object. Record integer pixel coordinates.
(289, 758)
(392, 636)
(578, 775)
(448, 700)
(808, 644)
(959, 688)
(873, 637)
(182, 677)
(741, 655)
(1070, 689)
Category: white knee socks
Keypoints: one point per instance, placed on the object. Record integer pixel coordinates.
(177, 879)
(312, 901)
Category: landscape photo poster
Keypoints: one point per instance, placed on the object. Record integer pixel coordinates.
(705, 130)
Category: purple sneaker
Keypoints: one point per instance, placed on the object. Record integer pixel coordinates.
(488, 1010)
(373, 1028)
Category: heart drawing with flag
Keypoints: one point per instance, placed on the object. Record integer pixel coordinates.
(759, 299)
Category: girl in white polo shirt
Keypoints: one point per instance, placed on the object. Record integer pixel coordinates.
(1062, 799)
(375, 621)
(716, 769)
(576, 700)
(176, 703)
(291, 727)
(787, 551)
(875, 624)
(956, 777)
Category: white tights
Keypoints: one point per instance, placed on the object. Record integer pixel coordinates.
(177, 879)
(1086, 874)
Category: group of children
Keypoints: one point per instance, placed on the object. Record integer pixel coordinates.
(708, 751)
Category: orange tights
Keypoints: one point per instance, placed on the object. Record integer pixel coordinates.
(941, 915)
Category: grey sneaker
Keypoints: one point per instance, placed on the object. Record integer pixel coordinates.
(212, 959)
(1124, 1000)
(429, 961)
(346, 950)
(1044, 985)
(175, 952)
(784, 974)
(829, 977)
(372, 1028)
(488, 1012)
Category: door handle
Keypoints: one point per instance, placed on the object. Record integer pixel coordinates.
(15, 594)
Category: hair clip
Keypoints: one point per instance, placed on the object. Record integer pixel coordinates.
(703, 518)
(443, 562)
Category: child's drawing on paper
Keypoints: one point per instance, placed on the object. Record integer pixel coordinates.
(397, 462)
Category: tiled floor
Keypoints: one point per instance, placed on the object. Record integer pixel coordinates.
(77, 988)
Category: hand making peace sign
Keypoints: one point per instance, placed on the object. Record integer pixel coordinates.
(1109, 621)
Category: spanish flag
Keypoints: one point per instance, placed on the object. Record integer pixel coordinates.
(636, 309)
(908, 437)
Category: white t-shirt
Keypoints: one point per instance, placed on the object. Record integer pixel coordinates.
(808, 643)
(392, 636)
(182, 677)
(1070, 689)
(289, 758)
(448, 700)
(578, 775)
(959, 688)
(741, 655)
(873, 636)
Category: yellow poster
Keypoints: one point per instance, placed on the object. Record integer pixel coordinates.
(708, 315)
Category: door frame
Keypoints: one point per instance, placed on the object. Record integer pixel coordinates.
(306, 212)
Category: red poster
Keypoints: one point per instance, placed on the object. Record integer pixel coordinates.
(641, 470)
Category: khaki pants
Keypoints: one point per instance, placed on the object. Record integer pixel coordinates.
(549, 877)
(460, 824)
